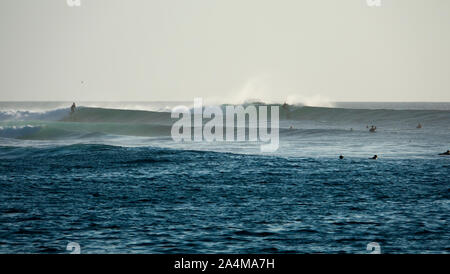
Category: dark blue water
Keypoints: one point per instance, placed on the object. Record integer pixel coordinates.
(112, 199)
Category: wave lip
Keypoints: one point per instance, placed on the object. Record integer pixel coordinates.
(24, 115)
(287, 112)
(96, 115)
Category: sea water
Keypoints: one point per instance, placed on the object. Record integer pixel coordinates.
(111, 178)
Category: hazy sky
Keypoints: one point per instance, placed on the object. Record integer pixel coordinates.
(307, 50)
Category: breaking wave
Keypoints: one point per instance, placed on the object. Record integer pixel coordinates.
(86, 121)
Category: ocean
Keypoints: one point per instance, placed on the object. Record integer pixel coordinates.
(111, 178)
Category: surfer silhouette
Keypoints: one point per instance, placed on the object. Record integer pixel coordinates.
(73, 108)
(285, 106)
(373, 129)
(445, 153)
(374, 157)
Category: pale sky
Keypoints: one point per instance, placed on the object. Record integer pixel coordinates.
(141, 50)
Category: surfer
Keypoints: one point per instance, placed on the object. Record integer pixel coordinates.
(72, 108)
(285, 106)
(374, 157)
(445, 153)
(341, 157)
(419, 126)
(373, 129)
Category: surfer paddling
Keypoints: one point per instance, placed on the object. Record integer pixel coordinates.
(445, 153)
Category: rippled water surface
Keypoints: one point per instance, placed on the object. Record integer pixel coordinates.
(111, 178)
(155, 200)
